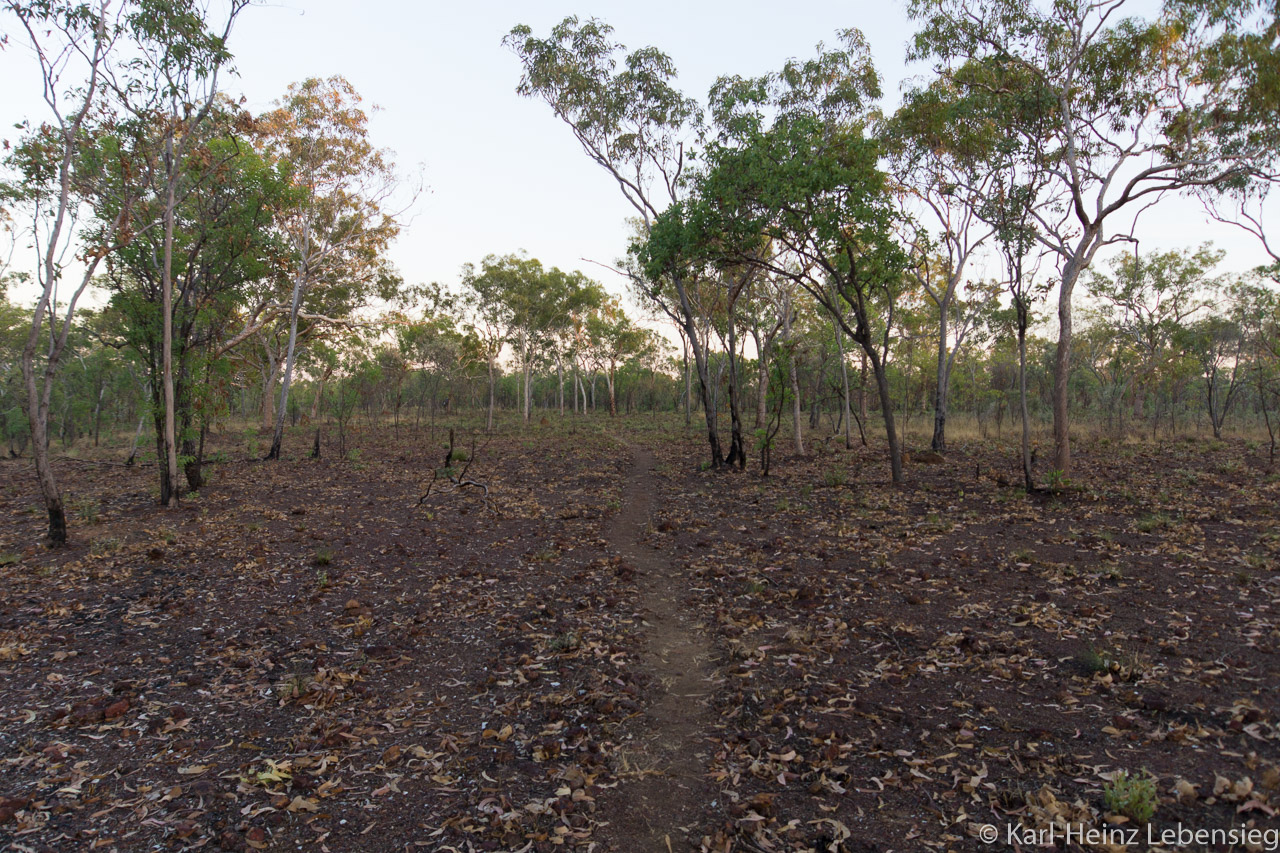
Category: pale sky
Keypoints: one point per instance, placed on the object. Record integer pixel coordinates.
(503, 174)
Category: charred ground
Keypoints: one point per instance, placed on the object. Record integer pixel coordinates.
(302, 656)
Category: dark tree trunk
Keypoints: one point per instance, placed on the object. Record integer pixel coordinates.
(57, 521)
(939, 443)
(737, 450)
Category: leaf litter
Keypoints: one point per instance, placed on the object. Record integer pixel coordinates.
(301, 657)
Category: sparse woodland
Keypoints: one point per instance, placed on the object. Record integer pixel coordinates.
(910, 489)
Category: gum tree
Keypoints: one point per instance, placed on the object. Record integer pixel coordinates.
(1147, 299)
(793, 187)
(612, 340)
(1125, 117)
(938, 155)
(634, 124)
(170, 88)
(222, 253)
(57, 167)
(337, 225)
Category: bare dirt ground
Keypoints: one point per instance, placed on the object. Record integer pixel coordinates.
(664, 768)
(622, 652)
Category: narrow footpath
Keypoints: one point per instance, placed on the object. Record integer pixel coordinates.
(663, 788)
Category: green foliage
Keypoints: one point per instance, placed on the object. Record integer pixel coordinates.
(1152, 522)
(1112, 572)
(834, 476)
(1056, 481)
(566, 642)
(1094, 661)
(630, 120)
(85, 510)
(1133, 796)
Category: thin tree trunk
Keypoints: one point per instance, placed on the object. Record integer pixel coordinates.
(1062, 374)
(846, 413)
(315, 404)
(737, 450)
(886, 405)
(38, 418)
(97, 413)
(1214, 423)
(528, 399)
(492, 395)
(298, 282)
(269, 392)
(688, 384)
(613, 399)
(1028, 476)
(168, 488)
(939, 443)
(137, 436)
(862, 390)
(794, 378)
(762, 381)
(704, 373)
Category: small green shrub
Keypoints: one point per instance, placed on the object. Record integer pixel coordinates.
(1132, 796)
(1255, 561)
(1057, 481)
(322, 557)
(1095, 661)
(294, 686)
(86, 510)
(99, 548)
(565, 642)
(1151, 523)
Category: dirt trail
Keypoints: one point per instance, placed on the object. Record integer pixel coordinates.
(663, 789)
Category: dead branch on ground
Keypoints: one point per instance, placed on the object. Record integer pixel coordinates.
(453, 482)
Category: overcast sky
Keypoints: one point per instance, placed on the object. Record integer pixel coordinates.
(502, 173)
